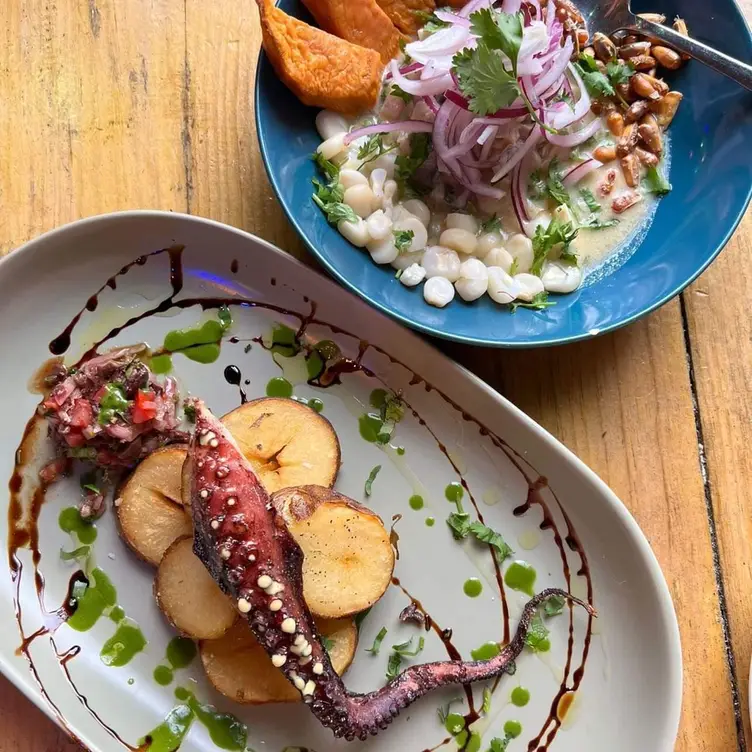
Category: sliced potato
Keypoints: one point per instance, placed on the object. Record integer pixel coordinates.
(239, 668)
(287, 443)
(149, 507)
(189, 597)
(349, 559)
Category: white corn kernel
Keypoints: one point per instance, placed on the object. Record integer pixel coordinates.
(413, 275)
(562, 278)
(349, 178)
(414, 225)
(529, 285)
(330, 124)
(521, 249)
(465, 222)
(384, 162)
(360, 199)
(355, 232)
(473, 281)
(486, 242)
(458, 239)
(499, 257)
(438, 292)
(390, 190)
(418, 209)
(501, 287)
(407, 259)
(383, 251)
(333, 146)
(441, 262)
(562, 213)
(379, 225)
(378, 179)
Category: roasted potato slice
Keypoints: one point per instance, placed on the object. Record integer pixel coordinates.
(287, 443)
(189, 597)
(406, 14)
(239, 668)
(349, 559)
(149, 504)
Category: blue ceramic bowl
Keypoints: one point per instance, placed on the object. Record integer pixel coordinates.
(711, 174)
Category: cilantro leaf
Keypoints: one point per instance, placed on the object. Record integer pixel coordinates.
(326, 166)
(394, 665)
(500, 31)
(537, 635)
(537, 189)
(337, 212)
(406, 165)
(403, 239)
(374, 649)
(333, 193)
(371, 478)
(555, 185)
(190, 413)
(459, 522)
(491, 225)
(544, 241)
(590, 200)
(485, 534)
(656, 182)
(328, 644)
(596, 83)
(396, 91)
(407, 649)
(593, 223)
(539, 303)
(619, 72)
(484, 80)
(554, 605)
(373, 148)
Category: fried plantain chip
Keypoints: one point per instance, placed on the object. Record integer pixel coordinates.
(361, 22)
(319, 68)
(406, 15)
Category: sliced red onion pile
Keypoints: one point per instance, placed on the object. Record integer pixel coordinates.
(475, 153)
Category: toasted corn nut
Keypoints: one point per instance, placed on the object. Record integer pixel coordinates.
(597, 107)
(658, 18)
(615, 123)
(642, 85)
(635, 49)
(643, 62)
(571, 10)
(605, 154)
(625, 201)
(607, 184)
(680, 25)
(646, 157)
(650, 134)
(631, 169)
(630, 39)
(667, 58)
(628, 141)
(636, 111)
(625, 92)
(665, 108)
(604, 48)
(658, 84)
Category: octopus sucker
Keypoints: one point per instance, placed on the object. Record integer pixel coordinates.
(290, 629)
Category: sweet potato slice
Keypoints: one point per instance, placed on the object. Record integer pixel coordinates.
(319, 68)
(349, 559)
(149, 507)
(406, 14)
(287, 443)
(189, 597)
(239, 668)
(358, 21)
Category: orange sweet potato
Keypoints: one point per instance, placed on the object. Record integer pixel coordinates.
(405, 14)
(361, 22)
(319, 68)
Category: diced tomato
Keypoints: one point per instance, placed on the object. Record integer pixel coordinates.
(75, 439)
(82, 414)
(145, 408)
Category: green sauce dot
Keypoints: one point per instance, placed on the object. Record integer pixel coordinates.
(161, 364)
(544, 645)
(180, 652)
(521, 576)
(400, 451)
(454, 724)
(485, 652)
(182, 694)
(117, 614)
(370, 427)
(513, 729)
(279, 387)
(430, 521)
(163, 675)
(316, 404)
(327, 349)
(416, 502)
(131, 681)
(454, 491)
(473, 587)
(520, 697)
(120, 649)
(70, 522)
(473, 744)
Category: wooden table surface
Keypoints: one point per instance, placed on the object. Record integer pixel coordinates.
(125, 104)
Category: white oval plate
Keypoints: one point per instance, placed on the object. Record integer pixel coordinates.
(630, 695)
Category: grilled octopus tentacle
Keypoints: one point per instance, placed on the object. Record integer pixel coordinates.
(248, 550)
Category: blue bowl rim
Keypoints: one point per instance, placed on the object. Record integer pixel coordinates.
(480, 341)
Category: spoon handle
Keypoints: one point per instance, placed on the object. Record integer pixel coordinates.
(728, 66)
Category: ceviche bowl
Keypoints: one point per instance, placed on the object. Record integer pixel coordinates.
(710, 174)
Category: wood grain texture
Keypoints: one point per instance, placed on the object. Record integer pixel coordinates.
(149, 104)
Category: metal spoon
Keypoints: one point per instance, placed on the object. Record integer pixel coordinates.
(617, 16)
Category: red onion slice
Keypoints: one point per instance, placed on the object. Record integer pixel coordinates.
(404, 70)
(569, 140)
(406, 126)
(436, 85)
(578, 172)
(508, 165)
(452, 18)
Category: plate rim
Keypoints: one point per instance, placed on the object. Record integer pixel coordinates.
(666, 607)
(479, 341)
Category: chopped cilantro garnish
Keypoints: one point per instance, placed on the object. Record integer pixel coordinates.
(335, 211)
(461, 526)
(590, 200)
(327, 167)
(403, 650)
(403, 239)
(656, 182)
(374, 649)
(537, 189)
(371, 478)
(597, 83)
(373, 148)
(113, 403)
(619, 72)
(483, 79)
(190, 413)
(539, 303)
(491, 225)
(593, 223)
(555, 185)
(406, 165)
(544, 241)
(393, 666)
(537, 635)
(396, 91)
